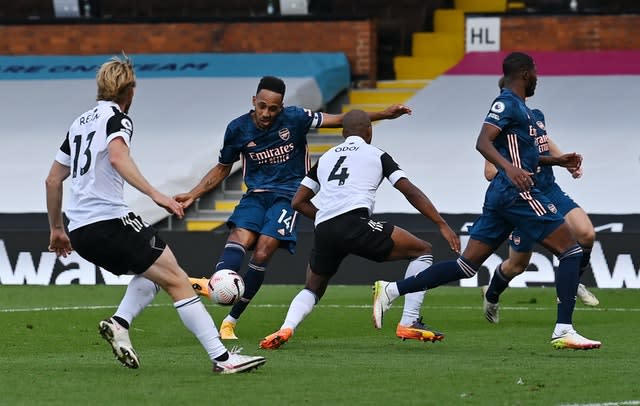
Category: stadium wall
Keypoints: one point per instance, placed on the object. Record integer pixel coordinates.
(570, 33)
(355, 38)
(25, 260)
(182, 106)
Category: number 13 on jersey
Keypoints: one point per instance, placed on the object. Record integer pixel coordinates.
(77, 140)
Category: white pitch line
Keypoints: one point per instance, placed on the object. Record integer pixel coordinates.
(352, 306)
(623, 403)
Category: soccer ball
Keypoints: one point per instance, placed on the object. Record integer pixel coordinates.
(226, 287)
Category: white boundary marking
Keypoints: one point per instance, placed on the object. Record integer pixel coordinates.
(352, 306)
(622, 403)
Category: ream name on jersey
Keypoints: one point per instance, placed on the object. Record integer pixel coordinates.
(86, 119)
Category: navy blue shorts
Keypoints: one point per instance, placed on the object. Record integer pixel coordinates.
(519, 241)
(562, 201)
(267, 213)
(532, 213)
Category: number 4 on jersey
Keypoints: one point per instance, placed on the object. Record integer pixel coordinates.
(343, 175)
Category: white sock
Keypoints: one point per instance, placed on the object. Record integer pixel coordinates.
(231, 319)
(197, 320)
(413, 301)
(562, 329)
(140, 292)
(300, 307)
(392, 291)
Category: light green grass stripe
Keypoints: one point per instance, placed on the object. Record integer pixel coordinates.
(329, 306)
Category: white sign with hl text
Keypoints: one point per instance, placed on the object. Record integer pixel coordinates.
(482, 34)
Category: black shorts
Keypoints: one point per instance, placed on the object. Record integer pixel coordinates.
(119, 245)
(353, 232)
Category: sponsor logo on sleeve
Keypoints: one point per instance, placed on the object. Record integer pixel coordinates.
(127, 125)
(498, 107)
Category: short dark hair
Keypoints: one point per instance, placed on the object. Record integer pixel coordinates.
(355, 122)
(516, 62)
(271, 83)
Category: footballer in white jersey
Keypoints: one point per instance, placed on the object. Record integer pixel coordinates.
(271, 141)
(343, 184)
(96, 187)
(347, 177)
(95, 155)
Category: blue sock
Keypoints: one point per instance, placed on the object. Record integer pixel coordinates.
(231, 257)
(499, 282)
(586, 259)
(436, 275)
(567, 283)
(253, 279)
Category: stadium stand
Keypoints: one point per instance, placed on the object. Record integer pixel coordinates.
(177, 140)
(432, 52)
(175, 150)
(27, 10)
(582, 6)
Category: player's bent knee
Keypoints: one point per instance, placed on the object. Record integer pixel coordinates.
(514, 267)
(417, 249)
(263, 254)
(425, 248)
(586, 238)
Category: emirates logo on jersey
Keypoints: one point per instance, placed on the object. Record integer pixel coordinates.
(284, 134)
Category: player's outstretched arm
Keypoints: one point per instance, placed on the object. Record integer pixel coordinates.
(122, 162)
(571, 160)
(556, 151)
(302, 202)
(58, 240)
(421, 202)
(211, 180)
(390, 113)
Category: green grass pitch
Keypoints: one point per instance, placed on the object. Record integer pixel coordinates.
(51, 352)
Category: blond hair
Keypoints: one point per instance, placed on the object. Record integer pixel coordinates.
(115, 78)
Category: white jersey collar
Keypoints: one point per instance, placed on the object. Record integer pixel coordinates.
(109, 103)
(355, 139)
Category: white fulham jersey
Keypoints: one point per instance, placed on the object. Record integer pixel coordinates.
(97, 189)
(347, 176)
